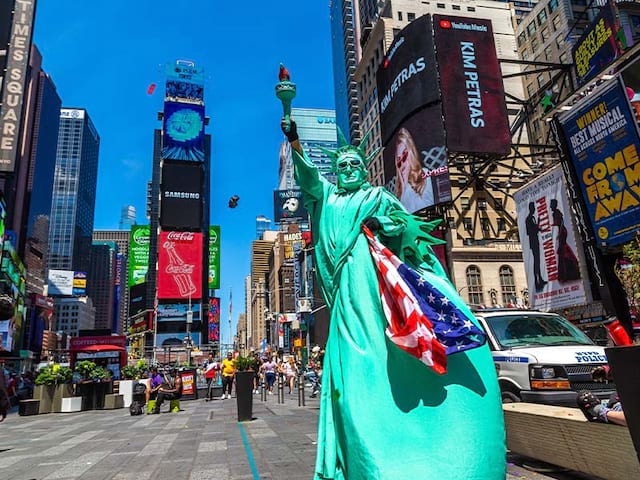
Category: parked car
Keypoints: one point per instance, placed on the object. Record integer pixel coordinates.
(542, 357)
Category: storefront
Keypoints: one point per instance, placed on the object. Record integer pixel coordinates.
(106, 351)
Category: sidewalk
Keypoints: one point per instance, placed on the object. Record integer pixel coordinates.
(202, 442)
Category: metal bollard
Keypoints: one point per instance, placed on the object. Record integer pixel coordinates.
(300, 390)
(280, 389)
(263, 390)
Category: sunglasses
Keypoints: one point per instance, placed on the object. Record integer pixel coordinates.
(403, 158)
(354, 162)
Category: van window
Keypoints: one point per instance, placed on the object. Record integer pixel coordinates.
(517, 331)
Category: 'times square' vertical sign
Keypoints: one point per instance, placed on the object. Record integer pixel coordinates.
(475, 112)
(14, 82)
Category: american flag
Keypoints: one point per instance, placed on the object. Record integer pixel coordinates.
(421, 320)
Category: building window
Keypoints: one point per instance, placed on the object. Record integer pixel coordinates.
(530, 90)
(560, 41)
(452, 223)
(545, 34)
(542, 17)
(564, 58)
(471, 9)
(553, 6)
(522, 39)
(482, 204)
(541, 80)
(502, 225)
(507, 285)
(411, 16)
(556, 22)
(455, 7)
(474, 285)
(465, 203)
(534, 45)
(468, 224)
(440, 5)
(548, 53)
(484, 223)
(531, 29)
(400, 16)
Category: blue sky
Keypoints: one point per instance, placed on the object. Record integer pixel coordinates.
(103, 55)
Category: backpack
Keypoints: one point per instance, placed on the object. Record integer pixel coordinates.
(136, 408)
(139, 388)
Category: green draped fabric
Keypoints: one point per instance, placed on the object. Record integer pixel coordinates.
(383, 414)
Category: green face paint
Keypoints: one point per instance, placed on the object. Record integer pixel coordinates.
(351, 171)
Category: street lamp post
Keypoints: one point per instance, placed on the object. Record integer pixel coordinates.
(188, 342)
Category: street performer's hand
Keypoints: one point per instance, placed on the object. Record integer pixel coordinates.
(292, 134)
(372, 223)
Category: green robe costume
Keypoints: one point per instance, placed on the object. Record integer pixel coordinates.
(383, 414)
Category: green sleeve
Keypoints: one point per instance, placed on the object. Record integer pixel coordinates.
(307, 176)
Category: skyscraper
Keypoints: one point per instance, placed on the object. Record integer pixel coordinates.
(74, 192)
(262, 225)
(101, 285)
(316, 128)
(127, 217)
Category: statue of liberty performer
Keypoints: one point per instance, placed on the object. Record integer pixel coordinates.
(384, 414)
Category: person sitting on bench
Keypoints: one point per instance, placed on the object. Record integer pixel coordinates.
(155, 382)
(172, 392)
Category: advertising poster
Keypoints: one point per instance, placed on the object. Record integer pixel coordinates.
(213, 333)
(601, 43)
(181, 196)
(408, 77)
(603, 144)
(184, 82)
(137, 298)
(138, 254)
(188, 383)
(79, 283)
(288, 206)
(293, 241)
(183, 132)
(60, 282)
(475, 112)
(415, 161)
(180, 265)
(551, 254)
(214, 257)
(177, 312)
(176, 339)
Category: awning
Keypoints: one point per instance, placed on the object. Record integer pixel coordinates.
(101, 348)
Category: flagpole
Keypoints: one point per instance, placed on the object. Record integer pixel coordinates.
(230, 310)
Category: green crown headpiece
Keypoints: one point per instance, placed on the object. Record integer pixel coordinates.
(345, 147)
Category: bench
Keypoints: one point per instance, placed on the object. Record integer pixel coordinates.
(563, 436)
(29, 407)
(113, 400)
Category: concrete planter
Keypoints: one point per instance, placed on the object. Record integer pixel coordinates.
(125, 389)
(71, 404)
(45, 394)
(244, 395)
(64, 390)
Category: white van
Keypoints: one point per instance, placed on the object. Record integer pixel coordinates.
(542, 357)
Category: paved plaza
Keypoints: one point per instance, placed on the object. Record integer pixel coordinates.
(202, 442)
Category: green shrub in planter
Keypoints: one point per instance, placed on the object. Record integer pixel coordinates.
(85, 369)
(244, 364)
(130, 373)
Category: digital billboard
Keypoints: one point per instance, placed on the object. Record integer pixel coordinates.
(602, 141)
(180, 265)
(14, 82)
(183, 132)
(213, 330)
(214, 257)
(288, 206)
(415, 161)
(184, 82)
(408, 76)
(177, 312)
(79, 283)
(551, 253)
(137, 298)
(475, 112)
(60, 282)
(181, 196)
(602, 42)
(139, 241)
(166, 340)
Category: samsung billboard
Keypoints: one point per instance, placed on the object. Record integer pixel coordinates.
(181, 196)
(474, 107)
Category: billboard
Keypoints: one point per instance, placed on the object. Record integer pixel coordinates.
(138, 261)
(408, 77)
(184, 82)
(214, 257)
(166, 340)
(180, 265)
(137, 298)
(183, 132)
(600, 44)
(550, 250)
(14, 82)
(60, 282)
(181, 196)
(415, 161)
(475, 112)
(288, 206)
(213, 330)
(177, 312)
(603, 144)
(79, 283)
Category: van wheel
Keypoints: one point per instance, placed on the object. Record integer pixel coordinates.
(510, 397)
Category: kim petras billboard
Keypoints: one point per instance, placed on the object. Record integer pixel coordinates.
(475, 112)
(180, 265)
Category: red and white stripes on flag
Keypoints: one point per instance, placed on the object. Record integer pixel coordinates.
(407, 325)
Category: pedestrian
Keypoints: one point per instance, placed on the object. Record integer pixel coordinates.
(403, 402)
(228, 373)
(269, 371)
(5, 404)
(290, 372)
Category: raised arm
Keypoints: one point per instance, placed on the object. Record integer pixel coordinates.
(306, 173)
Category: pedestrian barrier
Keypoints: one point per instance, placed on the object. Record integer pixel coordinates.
(280, 388)
(301, 402)
(563, 436)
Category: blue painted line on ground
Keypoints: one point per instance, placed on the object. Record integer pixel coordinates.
(247, 449)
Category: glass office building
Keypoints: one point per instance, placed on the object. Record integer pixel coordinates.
(74, 192)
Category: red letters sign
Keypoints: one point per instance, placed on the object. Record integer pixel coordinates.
(180, 265)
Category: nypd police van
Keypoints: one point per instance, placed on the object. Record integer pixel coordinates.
(542, 357)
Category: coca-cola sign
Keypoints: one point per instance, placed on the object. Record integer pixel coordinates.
(180, 265)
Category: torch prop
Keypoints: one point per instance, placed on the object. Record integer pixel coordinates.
(285, 91)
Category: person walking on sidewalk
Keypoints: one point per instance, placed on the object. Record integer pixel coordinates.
(228, 372)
